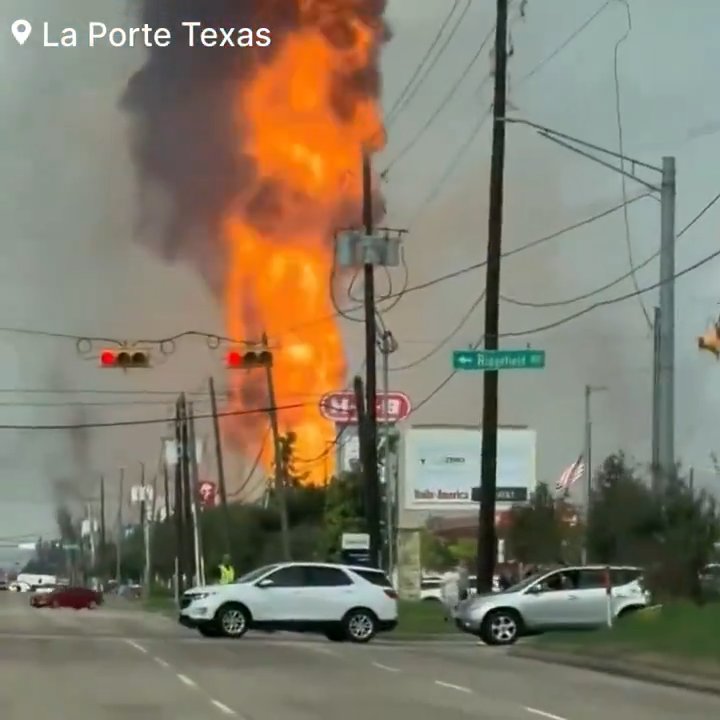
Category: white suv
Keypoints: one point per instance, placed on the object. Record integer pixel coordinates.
(343, 602)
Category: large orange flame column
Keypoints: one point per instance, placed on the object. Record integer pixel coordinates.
(306, 118)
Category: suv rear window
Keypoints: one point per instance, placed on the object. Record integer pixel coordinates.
(376, 577)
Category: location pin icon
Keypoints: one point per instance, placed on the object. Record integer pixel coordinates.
(21, 30)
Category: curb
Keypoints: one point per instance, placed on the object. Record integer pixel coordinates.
(431, 637)
(635, 670)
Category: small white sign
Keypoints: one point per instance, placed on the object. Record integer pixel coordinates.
(172, 452)
(140, 493)
(355, 541)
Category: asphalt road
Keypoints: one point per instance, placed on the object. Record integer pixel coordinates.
(116, 663)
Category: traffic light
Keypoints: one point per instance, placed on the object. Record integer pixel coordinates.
(124, 359)
(244, 360)
(711, 340)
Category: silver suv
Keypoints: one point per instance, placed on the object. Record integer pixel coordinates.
(567, 598)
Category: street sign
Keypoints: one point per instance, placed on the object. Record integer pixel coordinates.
(498, 359)
(355, 548)
(141, 493)
(340, 407)
(208, 492)
(503, 494)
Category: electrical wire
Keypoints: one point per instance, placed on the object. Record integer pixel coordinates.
(436, 348)
(410, 95)
(621, 151)
(442, 105)
(461, 153)
(152, 421)
(612, 283)
(254, 467)
(419, 67)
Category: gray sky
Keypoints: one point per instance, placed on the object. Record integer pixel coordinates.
(69, 262)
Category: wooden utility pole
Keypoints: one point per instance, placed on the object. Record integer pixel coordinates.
(360, 410)
(119, 539)
(370, 461)
(280, 480)
(220, 468)
(487, 542)
(178, 509)
(189, 525)
(103, 537)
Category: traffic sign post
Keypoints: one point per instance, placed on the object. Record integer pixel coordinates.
(498, 359)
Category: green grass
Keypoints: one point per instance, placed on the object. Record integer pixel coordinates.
(674, 632)
(423, 618)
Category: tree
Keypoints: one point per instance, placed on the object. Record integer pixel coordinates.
(623, 522)
(435, 553)
(344, 502)
(538, 532)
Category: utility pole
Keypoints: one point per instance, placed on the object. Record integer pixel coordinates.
(119, 539)
(166, 489)
(147, 570)
(589, 390)
(487, 550)
(666, 361)
(220, 467)
(280, 480)
(371, 460)
(185, 451)
(388, 345)
(362, 425)
(655, 431)
(103, 537)
(178, 509)
(194, 482)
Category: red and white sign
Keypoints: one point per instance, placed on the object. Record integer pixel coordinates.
(340, 407)
(208, 493)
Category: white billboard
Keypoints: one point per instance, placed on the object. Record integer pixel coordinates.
(442, 466)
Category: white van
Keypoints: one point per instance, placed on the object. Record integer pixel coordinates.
(31, 581)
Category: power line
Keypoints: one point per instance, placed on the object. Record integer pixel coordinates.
(418, 68)
(412, 93)
(616, 281)
(461, 153)
(153, 421)
(621, 151)
(442, 105)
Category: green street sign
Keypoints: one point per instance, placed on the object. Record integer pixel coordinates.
(70, 546)
(498, 359)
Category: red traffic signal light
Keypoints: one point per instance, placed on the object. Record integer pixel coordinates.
(236, 360)
(125, 359)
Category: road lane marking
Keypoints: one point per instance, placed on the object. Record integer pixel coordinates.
(543, 714)
(185, 680)
(137, 646)
(385, 667)
(161, 662)
(459, 688)
(224, 709)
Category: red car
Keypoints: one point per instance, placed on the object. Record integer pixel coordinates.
(72, 597)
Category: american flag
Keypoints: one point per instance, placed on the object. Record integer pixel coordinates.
(570, 475)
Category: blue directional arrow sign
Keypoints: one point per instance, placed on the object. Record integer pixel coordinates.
(498, 359)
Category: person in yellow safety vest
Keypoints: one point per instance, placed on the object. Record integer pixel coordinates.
(227, 571)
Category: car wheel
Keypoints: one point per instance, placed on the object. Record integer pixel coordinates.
(232, 620)
(360, 625)
(500, 627)
(336, 635)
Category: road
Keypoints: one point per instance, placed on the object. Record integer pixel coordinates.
(118, 663)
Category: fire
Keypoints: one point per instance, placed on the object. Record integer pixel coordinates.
(304, 119)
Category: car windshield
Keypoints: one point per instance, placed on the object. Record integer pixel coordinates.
(255, 574)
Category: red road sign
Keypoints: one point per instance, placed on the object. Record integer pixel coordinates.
(208, 492)
(340, 407)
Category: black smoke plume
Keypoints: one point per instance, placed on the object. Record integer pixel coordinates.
(185, 130)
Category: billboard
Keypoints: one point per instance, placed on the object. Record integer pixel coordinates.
(442, 466)
(392, 407)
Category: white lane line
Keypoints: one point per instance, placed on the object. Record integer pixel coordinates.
(543, 714)
(380, 666)
(137, 646)
(224, 709)
(459, 688)
(161, 662)
(185, 680)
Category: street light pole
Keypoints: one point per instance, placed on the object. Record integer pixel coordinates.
(663, 419)
(589, 390)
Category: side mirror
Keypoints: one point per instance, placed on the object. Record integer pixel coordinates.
(266, 583)
(535, 589)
